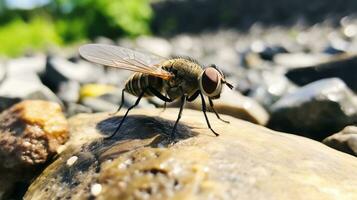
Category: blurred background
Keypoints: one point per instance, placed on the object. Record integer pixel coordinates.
(293, 64)
(294, 59)
(37, 25)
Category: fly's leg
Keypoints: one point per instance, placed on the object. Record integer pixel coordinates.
(121, 103)
(159, 95)
(205, 114)
(165, 103)
(215, 112)
(124, 117)
(183, 101)
(194, 96)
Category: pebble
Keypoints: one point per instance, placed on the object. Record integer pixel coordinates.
(60, 70)
(96, 189)
(71, 161)
(315, 110)
(24, 65)
(155, 45)
(343, 67)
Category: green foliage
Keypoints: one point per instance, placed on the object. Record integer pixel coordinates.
(18, 36)
(91, 18)
(68, 21)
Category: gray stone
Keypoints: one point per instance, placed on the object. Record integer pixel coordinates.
(345, 140)
(298, 60)
(315, 110)
(2, 71)
(343, 67)
(60, 70)
(23, 65)
(155, 45)
(75, 108)
(268, 86)
(110, 102)
(69, 91)
(24, 86)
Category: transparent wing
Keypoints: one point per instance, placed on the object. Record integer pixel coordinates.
(124, 58)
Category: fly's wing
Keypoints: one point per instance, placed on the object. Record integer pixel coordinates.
(124, 58)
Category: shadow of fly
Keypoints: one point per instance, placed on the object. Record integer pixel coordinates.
(167, 79)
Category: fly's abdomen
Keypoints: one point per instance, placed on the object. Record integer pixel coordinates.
(139, 82)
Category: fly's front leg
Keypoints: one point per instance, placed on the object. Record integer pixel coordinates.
(194, 96)
(205, 114)
(173, 132)
(215, 112)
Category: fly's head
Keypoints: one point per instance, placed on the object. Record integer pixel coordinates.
(211, 81)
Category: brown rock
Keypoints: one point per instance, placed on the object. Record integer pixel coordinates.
(245, 162)
(30, 133)
(345, 140)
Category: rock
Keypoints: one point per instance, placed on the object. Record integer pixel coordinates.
(345, 140)
(298, 60)
(97, 104)
(155, 45)
(110, 102)
(267, 86)
(69, 91)
(95, 90)
(104, 40)
(6, 102)
(2, 72)
(60, 70)
(343, 67)
(30, 134)
(104, 98)
(24, 86)
(267, 52)
(245, 162)
(233, 104)
(23, 65)
(184, 44)
(315, 110)
(333, 50)
(337, 43)
(251, 60)
(75, 108)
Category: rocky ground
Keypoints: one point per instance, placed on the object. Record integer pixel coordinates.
(299, 80)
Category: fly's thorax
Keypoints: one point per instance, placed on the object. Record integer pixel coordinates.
(186, 74)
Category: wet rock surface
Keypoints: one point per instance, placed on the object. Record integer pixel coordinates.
(30, 134)
(246, 162)
(345, 140)
(316, 110)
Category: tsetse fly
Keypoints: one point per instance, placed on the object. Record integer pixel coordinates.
(167, 79)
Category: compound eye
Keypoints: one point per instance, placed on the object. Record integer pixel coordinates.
(210, 80)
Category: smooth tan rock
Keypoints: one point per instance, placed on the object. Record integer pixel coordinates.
(245, 162)
(30, 133)
(345, 140)
(234, 104)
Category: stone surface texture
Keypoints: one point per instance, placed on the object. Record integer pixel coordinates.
(345, 140)
(245, 162)
(30, 134)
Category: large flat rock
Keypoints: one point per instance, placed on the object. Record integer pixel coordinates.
(246, 161)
